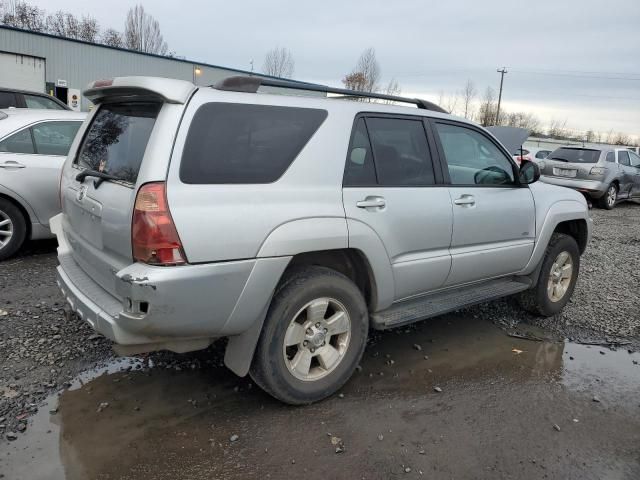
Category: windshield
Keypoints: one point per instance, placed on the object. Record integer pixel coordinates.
(117, 139)
(575, 155)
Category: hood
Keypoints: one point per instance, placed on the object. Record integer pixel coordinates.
(511, 137)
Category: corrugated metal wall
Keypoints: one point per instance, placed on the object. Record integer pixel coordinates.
(80, 63)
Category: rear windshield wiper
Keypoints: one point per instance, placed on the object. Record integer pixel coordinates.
(100, 176)
(559, 159)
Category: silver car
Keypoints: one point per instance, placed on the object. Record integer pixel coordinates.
(605, 174)
(33, 147)
(293, 224)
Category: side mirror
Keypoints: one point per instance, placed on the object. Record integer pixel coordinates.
(529, 172)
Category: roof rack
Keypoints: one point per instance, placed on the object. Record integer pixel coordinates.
(246, 84)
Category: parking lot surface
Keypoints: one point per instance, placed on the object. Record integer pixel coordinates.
(461, 396)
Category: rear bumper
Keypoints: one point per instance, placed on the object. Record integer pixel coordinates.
(169, 306)
(593, 188)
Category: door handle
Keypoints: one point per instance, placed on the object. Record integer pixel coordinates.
(371, 202)
(11, 164)
(465, 200)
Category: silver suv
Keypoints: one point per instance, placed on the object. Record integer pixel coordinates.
(605, 174)
(291, 225)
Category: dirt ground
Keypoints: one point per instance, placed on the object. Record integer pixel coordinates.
(453, 397)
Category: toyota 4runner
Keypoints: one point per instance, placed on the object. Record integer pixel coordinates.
(293, 224)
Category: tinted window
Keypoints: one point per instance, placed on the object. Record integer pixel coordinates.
(472, 158)
(623, 158)
(575, 155)
(117, 139)
(20, 142)
(241, 143)
(611, 157)
(7, 99)
(54, 138)
(359, 169)
(36, 101)
(400, 152)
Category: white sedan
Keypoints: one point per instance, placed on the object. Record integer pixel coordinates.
(33, 147)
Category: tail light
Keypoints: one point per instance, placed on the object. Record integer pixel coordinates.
(597, 170)
(154, 236)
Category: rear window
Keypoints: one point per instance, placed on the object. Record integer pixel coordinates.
(575, 155)
(244, 143)
(117, 139)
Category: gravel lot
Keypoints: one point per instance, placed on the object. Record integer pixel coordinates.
(43, 347)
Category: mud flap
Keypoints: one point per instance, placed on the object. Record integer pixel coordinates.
(240, 348)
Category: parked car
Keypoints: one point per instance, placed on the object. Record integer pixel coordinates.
(25, 99)
(292, 224)
(33, 146)
(521, 154)
(607, 175)
(539, 153)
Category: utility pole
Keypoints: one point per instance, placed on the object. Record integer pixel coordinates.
(501, 71)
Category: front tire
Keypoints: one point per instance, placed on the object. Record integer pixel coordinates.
(557, 280)
(609, 199)
(13, 229)
(313, 337)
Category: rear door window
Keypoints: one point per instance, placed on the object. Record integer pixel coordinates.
(8, 99)
(359, 170)
(54, 138)
(623, 158)
(401, 152)
(231, 143)
(36, 101)
(20, 142)
(611, 157)
(117, 138)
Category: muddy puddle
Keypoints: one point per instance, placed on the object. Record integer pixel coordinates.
(507, 407)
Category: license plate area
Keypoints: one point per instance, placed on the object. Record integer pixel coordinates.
(564, 172)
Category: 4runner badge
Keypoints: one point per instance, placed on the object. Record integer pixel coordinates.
(81, 193)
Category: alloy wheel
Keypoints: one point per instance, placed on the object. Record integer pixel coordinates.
(317, 339)
(560, 276)
(612, 193)
(6, 229)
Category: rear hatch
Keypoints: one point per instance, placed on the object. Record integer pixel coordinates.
(128, 138)
(568, 162)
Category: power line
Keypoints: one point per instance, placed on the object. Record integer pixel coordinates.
(575, 75)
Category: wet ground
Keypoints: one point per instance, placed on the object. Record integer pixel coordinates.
(508, 408)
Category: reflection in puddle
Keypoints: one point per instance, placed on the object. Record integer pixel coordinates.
(163, 423)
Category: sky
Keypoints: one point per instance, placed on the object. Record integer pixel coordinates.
(573, 60)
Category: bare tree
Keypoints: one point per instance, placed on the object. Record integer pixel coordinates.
(22, 15)
(488, 107)
(279, 62)
(142, 32)
(112, 37)
(621, 139)
(88, 29)
(468, 96)
(366, 75)
(558, 128)
(65, 24)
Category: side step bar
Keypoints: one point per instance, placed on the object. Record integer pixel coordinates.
(426, 306)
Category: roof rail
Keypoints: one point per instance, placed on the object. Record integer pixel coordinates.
(252, 84)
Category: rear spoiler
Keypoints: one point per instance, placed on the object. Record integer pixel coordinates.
(166, 89)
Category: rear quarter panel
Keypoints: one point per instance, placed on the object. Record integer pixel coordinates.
(221, 222)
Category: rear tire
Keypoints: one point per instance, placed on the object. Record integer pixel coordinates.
(608, 200)
(13, 229)
(557, 279)
(313, 337)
